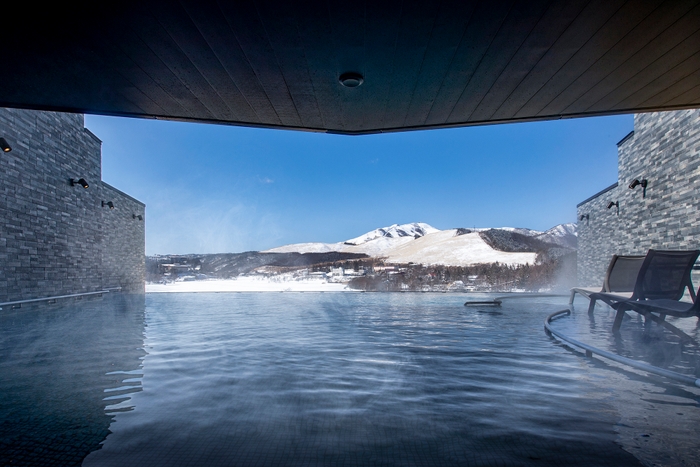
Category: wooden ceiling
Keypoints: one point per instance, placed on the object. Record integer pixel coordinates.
(425, 64)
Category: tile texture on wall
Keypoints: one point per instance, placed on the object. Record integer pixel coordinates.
(54, 236)
(665, 150)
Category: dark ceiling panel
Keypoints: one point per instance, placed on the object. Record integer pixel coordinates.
(153, 65)
(137, 85)
(203, 69)
(670, 47)
(314, 28)
(678, 88)
(219, 37)
(441, 48)
(535, 84)
(282, 31)
(665, 87)
(347, 27)
(252, 37)
(416, 27)
(521, 20)
(426, 64)
(549, 28)
(153, 32)
(111, 87)
(483, 26)
(691, 95)
(383, 21)
(593, 59)
(582, 93)
(653, 38)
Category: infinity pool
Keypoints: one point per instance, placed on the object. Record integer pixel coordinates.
(332, 379)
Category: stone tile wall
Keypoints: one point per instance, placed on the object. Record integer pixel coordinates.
(123, 241)
(664, 149)
(51, 233)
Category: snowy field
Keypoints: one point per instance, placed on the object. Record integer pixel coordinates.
(249, 284)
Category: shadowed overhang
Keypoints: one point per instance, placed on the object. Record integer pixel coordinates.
(425, 64)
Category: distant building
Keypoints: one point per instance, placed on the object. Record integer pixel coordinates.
(345, 274)
(337, 272)
(661, 211)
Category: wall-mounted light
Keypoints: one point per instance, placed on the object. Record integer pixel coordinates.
(139, 216)
(616, 204)
(4, 145)
(108, 204)
(584, 216)
(81, 182)
(637, 182)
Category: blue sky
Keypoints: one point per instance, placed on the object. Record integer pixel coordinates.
(214, 188)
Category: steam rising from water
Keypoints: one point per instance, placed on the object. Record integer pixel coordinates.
(318, 379)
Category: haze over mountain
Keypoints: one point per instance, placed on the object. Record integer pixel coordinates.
(421, 243)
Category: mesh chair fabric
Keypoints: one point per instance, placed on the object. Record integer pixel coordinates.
(665, 274)
(622, 273)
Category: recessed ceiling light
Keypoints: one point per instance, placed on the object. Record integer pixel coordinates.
(351, 79)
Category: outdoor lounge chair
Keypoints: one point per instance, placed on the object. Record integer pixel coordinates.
(665, 307)
(663, 275)
(619, 278)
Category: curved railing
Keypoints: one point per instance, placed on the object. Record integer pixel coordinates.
(590, 350)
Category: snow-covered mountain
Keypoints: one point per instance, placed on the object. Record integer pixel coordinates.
(373, 243)
(563, 235)
(423, 244)
(447, 248)
(415, 230)
(521, 231)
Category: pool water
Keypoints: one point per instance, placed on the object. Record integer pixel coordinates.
(331, 379)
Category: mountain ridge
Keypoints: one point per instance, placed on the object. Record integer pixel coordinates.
(421, 243)
(407, 257)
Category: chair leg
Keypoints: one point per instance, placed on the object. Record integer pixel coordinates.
(591, 306)
(618, 321)
(571, 299)
(670, 327)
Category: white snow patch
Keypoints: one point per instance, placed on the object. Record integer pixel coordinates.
(445, 248)
(306, 248)
(378, 247)
(249, 284)
(395, 231)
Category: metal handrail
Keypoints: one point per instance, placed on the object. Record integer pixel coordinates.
(497, 301)
(58, 297)
(590, 350)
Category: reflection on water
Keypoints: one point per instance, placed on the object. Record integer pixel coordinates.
(356, 379)
(60, 366)
(341, 379)
(659, 420)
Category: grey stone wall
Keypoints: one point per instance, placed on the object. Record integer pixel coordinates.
(124, 247)
(51, 233)
(665, 150)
